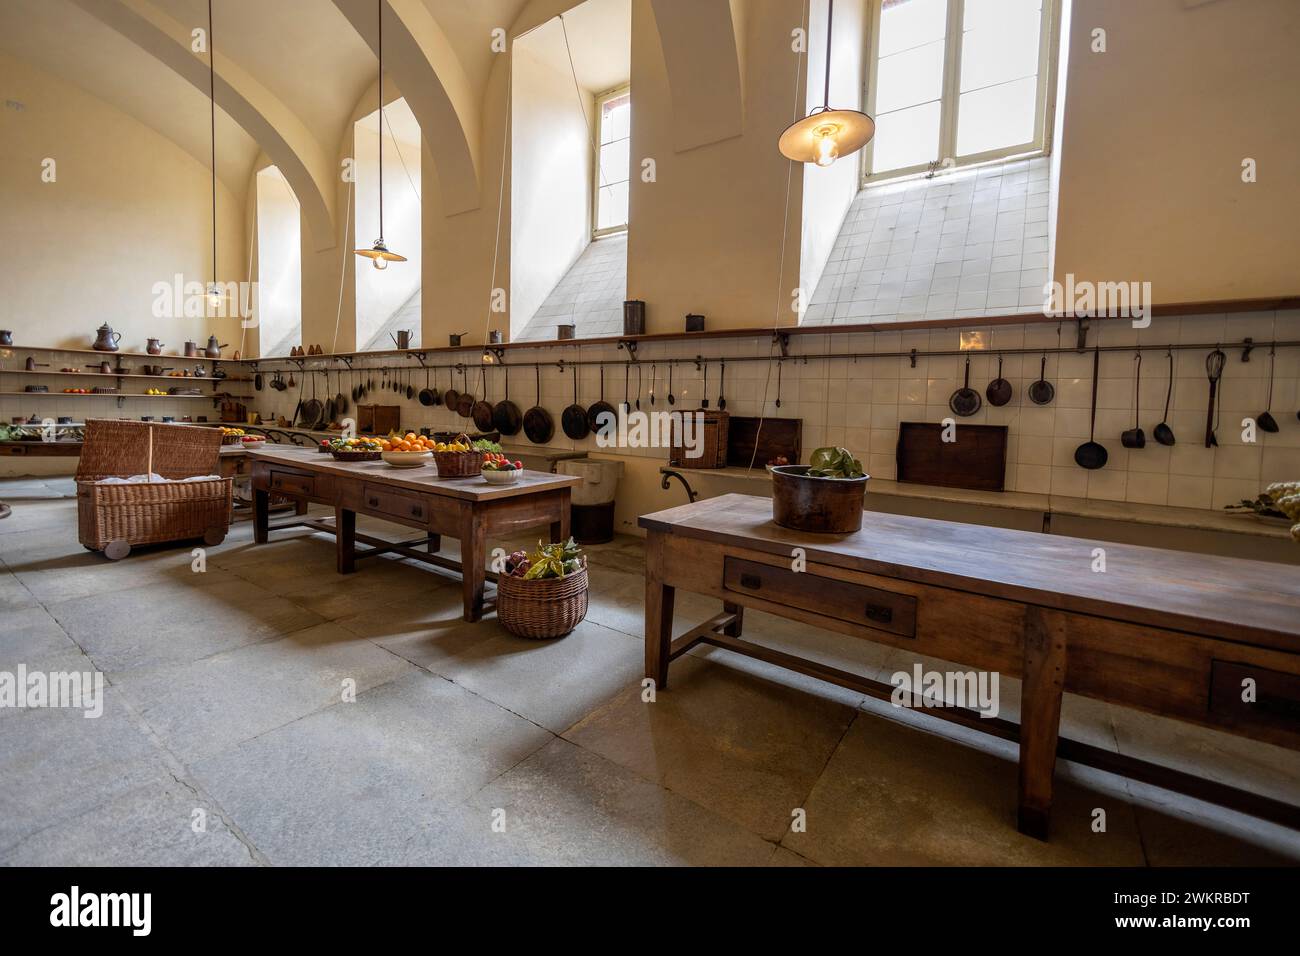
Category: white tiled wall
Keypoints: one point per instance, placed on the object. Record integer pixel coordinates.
(860, 403)
(590, 295)
(966, 243)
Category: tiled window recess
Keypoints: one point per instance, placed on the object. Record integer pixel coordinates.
(859, 403)
(406, 316)
(967, 243)
(590, 295)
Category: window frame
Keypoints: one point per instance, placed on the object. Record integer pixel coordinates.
(950, 96)
(601, 100)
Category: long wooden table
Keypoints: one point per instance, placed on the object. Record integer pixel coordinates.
(469, 509)
(1181, 635)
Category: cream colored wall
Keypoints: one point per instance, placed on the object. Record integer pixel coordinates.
(1155, 131)
(128, 209)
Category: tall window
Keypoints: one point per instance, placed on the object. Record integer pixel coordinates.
(614, 125)
(956, 81)
(279, 264)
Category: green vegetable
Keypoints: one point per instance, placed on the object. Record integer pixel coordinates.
(555, 560)
(483, 444)
(834, 463)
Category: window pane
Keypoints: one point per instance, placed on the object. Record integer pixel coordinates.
(613, 162)
(616, 118)
(996, 117)
(906, 138)
(910, 23)
(995, 13)
(1002, 50)
(612, 206)
(911, 77)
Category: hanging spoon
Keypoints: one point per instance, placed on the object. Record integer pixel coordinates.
(627, 374)
(654, 374)
(722, 381)
(1265, 419)
(704, 402)
(672, 399)
(638, 388)
(778, 384)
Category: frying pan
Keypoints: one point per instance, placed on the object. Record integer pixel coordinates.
(427, 394)
(506, 415)
(602, 407)
(1162, 432)
(410, 389)
(482, 410)
(574, 418)
(538, 425)
(1092, 454)
(1042, 391)
(465, 404)
(965, 401)
(340, 400)
(999, 390)
(257, 381)
(451, 397)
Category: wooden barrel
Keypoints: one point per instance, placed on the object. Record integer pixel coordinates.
(825, 505)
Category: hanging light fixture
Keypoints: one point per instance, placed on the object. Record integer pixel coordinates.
(214, 292)
(824, 135)
(378, 254)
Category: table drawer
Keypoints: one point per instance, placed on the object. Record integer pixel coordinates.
(856, 603)
(1277, 695)
(379, 500)
(297, 483)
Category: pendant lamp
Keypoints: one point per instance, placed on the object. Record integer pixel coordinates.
(824, 135)
(378, 254)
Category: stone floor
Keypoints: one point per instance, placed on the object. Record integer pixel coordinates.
(465, 745)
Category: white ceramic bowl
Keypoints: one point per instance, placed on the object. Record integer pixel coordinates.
(407, 459)
(502, 477)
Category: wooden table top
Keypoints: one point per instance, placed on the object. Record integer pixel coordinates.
(1256, 602)
(413, 479)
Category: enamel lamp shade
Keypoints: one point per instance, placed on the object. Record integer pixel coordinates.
(824, 135)
(379, 254)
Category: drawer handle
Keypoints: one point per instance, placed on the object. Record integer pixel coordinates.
(880, 613)
(751, 581)
(373, 502)
(417, 511)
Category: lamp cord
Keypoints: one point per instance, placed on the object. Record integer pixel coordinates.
(379, 10)
(212, 117)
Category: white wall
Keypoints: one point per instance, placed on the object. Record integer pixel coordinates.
(550, 172)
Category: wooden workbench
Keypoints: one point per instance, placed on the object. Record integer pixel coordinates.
(469, 509)
(1167, 632)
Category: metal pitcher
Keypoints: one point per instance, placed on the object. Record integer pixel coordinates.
(106, 339)
(402, 339)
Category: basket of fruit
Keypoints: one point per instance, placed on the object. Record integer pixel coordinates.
(500, 470)
(232, 436)
(354, 449)
(543, 594)
(458, 458)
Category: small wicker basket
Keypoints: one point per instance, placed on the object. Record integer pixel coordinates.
(355, 455)
(458, 464)
(544, 608)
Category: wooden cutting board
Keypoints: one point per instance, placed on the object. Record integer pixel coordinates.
(977, 459)
(778, 436)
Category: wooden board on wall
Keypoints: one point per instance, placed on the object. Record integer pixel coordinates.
(777, 436)
(977, 459)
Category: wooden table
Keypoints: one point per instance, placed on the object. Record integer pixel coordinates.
(1167, 632)
(469, 509)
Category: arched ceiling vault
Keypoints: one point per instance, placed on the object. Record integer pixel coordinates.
(275, 127)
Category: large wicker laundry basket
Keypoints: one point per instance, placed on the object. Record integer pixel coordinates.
(114, 518)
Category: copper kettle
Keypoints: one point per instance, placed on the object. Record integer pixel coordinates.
(213, 350)
(106, 339)
(154, 347)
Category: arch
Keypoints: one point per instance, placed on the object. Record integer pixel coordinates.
(420, 58)
(276, 128)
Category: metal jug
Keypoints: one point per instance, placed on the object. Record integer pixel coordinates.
(106, 339)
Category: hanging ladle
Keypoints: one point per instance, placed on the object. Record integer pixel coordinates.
(672, 399)
(722, 381)
(1265, 419)
(778, 384)
(1092, 454)
(1162, 432)
(1135, 437)
(704, 402)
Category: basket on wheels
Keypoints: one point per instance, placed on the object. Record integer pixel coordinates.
(114, 518)
(543, 608)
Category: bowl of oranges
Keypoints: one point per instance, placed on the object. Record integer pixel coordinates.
(406, 451)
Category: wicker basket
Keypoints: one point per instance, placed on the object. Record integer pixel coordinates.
(362, 455)
(459, 464)
(114, 518)
(545, 608)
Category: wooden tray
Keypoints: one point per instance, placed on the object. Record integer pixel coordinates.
(976, 460)
(778, 436)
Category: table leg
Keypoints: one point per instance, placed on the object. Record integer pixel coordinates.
(434, 544)
(473, 555)
(261, 515)
(1042, 685)
(659, 599)
(345, 539)
(560, 528)
(735, 627)
(300, 506)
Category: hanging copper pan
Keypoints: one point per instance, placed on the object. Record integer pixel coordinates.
(538, 425)
(482, 410)
(506, 416)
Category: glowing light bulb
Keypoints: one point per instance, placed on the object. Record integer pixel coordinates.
(827, 149)
(379, 263)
